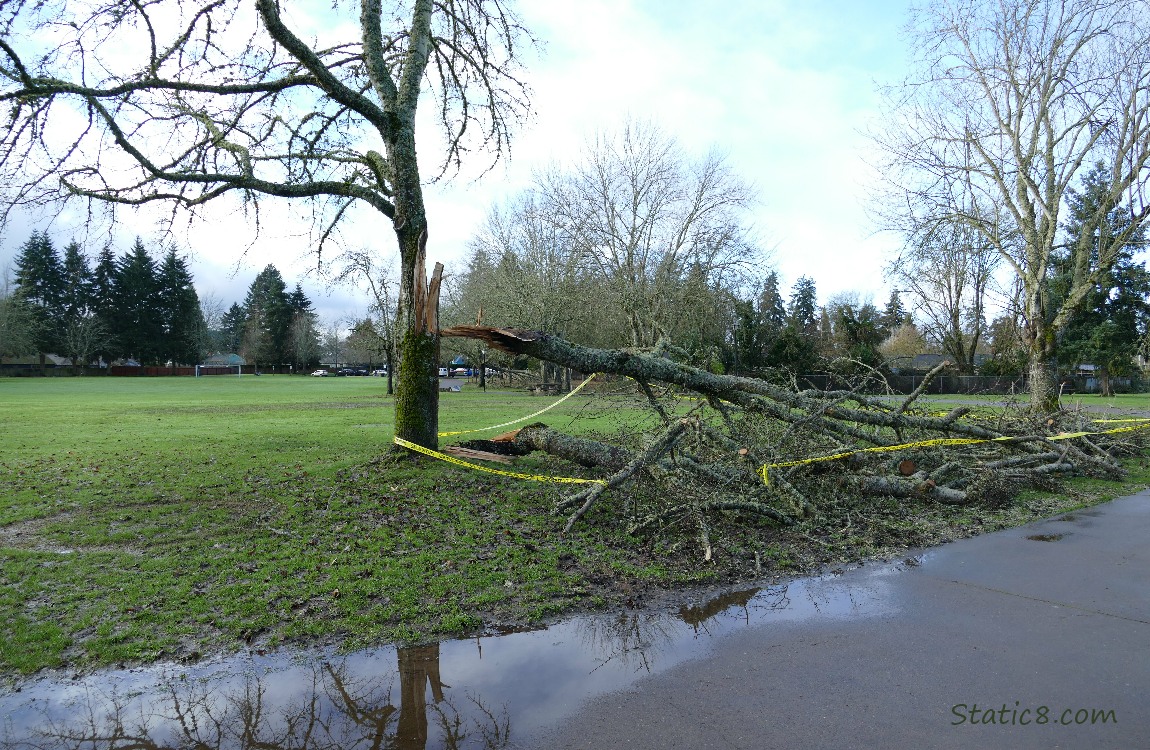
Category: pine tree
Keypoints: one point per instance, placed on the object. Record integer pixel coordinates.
(232, 328)
(103, 303)
(180, 316)
(40, 282)
(1109, 323)
(303, 337)
(137, 322)
(269, 316)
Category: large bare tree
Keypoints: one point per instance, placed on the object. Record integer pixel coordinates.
(525, 272)
(1009, 102)
(948, 272)
(644, 218)
(366, 267)
(190, 101)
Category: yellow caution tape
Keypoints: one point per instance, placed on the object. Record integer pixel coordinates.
(522, 419)
(515, 475)
(1131, 419)
(764, 470)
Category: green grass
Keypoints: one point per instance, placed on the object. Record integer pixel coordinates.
(1124, 401)
(162, 517)
(168, 517)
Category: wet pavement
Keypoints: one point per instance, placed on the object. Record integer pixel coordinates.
(1032, 637)
(1035, 637)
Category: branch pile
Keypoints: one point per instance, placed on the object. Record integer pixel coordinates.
(745, 444)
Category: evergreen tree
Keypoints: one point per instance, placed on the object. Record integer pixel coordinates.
(858, 334)
(40, 282)
(76, 290)
(802, 314)
(269, 317)
(749, 352)
(893, 315)
(137, 323)
(1108, 325)
(180, 316)
(303, 337)
(772, 311)
(80, 332)
(794, 352)
(232, 328)
(103, 303)
(757, 325)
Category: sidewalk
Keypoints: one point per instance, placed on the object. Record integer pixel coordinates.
(1055, 628)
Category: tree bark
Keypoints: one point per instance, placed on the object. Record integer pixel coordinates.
(1043, 384)
(417, 388)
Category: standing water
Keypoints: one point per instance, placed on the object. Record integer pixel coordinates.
(488, 692)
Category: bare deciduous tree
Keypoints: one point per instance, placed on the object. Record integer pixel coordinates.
(367, 267)
(1009, 101)
(526, 271)
(948, 272)
(188, 101)
(643, 217)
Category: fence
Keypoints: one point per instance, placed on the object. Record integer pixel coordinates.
(149, 372)
(967, 384)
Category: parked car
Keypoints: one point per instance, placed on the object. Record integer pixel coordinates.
(379, 373)
(319, 374)
(443, 372)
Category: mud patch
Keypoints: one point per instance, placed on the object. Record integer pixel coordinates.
(25, 535)
(1045, 537)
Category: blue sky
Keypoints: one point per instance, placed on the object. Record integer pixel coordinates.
(786, 89)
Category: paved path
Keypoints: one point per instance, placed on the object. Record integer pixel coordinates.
(1043, 629)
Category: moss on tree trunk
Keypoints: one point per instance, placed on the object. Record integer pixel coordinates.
(417, 389)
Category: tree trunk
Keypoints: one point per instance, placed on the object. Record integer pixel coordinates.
(1043, 384)
(1043, 364)
(390, 370)
(417, 390)
(1104, 381)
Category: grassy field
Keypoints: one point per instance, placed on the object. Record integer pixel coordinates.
(167, 517)
(162, 517)
(1134, 402)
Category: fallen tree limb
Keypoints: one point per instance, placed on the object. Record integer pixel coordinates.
(653, 451)
(817, 443)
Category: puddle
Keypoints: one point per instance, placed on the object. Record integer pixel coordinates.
(488, 692)
(1045, 537)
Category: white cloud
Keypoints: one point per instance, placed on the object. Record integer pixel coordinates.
(782, 88)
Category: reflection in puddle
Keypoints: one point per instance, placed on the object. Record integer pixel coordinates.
(458, 694)
(1045, 537)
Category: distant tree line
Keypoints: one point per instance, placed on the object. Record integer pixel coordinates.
(273, 328)
(638, 243)
(135, 307)
(131, 307)
(581, 255)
